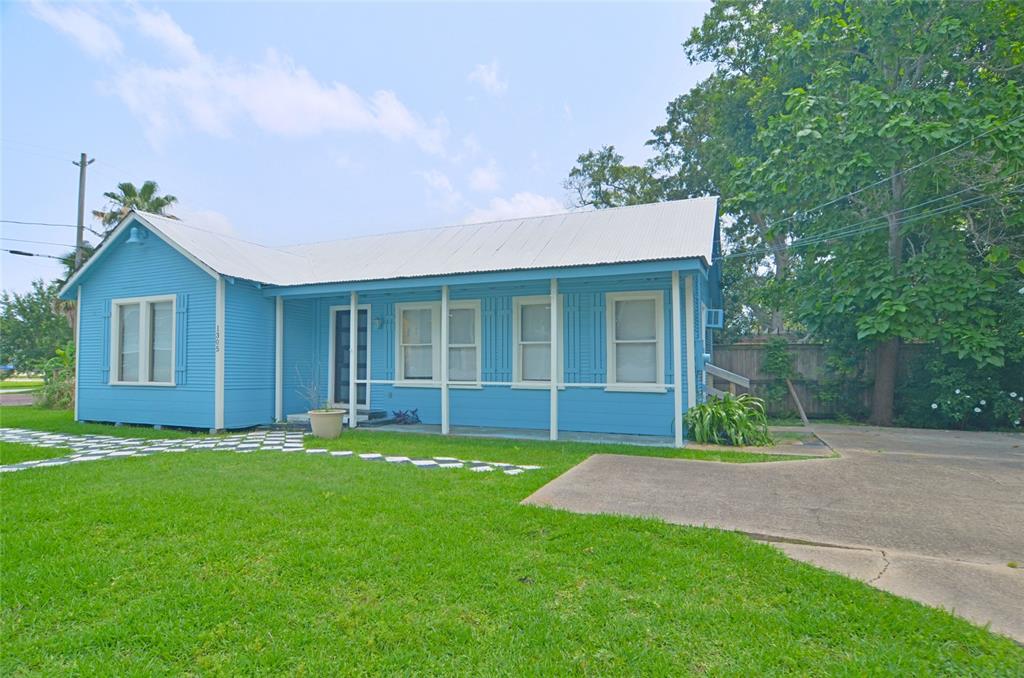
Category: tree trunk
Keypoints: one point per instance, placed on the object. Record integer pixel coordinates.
(887, 356)
(781, 271)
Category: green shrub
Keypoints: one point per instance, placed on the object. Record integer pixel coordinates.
(729, 420)
(945, 391)
(58, 391)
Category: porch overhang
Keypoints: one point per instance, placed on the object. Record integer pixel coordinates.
(665, 266)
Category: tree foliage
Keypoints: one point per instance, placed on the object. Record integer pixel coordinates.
(869, 158)
(127, 197)
(31, 328)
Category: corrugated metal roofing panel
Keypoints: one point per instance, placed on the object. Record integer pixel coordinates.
(669, 230)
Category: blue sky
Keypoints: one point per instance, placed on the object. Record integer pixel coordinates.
(287, 123)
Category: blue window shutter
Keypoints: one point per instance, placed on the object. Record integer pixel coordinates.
(590, 324)
(496, 321)
(572, 338)
(387, 311)
(181, 340)
(105, 357)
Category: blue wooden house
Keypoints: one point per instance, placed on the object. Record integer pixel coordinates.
(593, 321)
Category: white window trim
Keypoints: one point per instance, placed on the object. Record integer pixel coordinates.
(435, 344)
(435, 340)
(145, 348)
(517, 304)
(332, 345)
(659, 321)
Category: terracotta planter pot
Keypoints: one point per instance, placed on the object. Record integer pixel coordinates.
(326, 423)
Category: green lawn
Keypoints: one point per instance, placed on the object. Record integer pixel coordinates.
(225, 564)
(7, 385)
(63, 421)
(517, 451)
(13, 453)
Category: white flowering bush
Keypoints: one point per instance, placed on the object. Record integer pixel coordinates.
(945, 393)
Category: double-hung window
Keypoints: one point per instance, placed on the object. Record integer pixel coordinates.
(142, 341)
(419, 339)
(531, 329)
(636, 332)
(464, 342)
(418, 332)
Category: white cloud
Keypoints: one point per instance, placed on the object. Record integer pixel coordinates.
(161, 27)
(486, 75)
(567, 112)
(214, 96)
(92, 35)
(522, 204)
(276, 95)
(486, 178)
(440, 189)
(209, 220)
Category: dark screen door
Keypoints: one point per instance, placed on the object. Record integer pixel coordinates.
(343, 356)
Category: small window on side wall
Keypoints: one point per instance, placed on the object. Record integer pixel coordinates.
(143, 341)
(636, 334)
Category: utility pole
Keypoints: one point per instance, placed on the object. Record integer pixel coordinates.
(80, 239)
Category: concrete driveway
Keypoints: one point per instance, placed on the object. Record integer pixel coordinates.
(931, 515)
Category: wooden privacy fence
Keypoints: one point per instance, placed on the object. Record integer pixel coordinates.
(809, 364)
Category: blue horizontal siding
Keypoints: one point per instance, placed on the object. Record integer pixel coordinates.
(148, 269)
(249, 335)
(307, 341)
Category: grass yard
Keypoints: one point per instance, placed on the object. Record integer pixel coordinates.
(220, 563)
(9, 385)
(13, 453)
(63, 421)
(519, 451)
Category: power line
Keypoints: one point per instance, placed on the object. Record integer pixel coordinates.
(22, 253)
(49, 223)
(868, 225)
(896, 174)
(36, 223)
(850, 231)
(36, 242)
(843, 229)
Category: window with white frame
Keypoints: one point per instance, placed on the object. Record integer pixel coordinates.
(417, 327)
(464, 341)
(419, 339)
(143, 341)
(636, 331)
(531, 329)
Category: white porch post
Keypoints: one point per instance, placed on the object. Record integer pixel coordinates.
(691, 347)
(353, 359)
(278, 358)
(556, 375)
(445, 413)
(677, 358)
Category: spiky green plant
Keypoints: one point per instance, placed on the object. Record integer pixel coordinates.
(729, 420)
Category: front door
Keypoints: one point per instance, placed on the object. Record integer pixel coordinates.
(343, 356)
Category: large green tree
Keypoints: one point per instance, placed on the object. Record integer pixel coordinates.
(820, 128)
(911, 115)
(127, 197)
(31, 327)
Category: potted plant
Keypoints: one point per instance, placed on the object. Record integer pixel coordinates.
(325, 422)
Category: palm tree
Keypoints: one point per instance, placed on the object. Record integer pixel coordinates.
(127, 198)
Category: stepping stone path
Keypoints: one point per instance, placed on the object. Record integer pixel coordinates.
(95, 447)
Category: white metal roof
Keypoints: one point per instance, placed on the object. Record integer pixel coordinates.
(679, 229)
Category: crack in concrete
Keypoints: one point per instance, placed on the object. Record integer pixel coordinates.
(885, 567)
